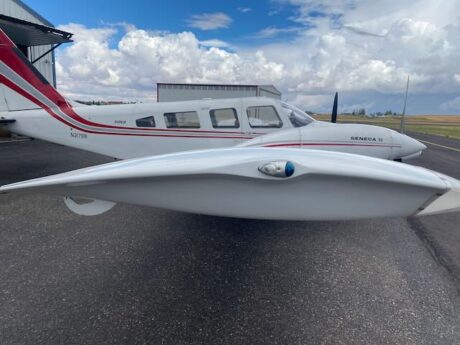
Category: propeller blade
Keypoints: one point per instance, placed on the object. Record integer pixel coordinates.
(334, 108)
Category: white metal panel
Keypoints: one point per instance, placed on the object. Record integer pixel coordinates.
(15, 101)
(14, 9)
(268, 91)
(46, 64)
(3, 105)
(17, 10)
(185, 92)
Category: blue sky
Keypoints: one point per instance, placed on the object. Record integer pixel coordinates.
(248, 17)
(307, 48)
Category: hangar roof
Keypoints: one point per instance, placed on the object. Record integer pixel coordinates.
(31, 34)
(32, 12)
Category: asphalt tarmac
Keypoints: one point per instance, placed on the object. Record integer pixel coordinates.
(145, 276)
(441, 233)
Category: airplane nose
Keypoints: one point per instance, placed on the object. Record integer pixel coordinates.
(408, 147)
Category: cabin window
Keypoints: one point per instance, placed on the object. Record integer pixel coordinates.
(264, 117)
(186, 119)
(148, 121)
(297, 117)
(224, 118)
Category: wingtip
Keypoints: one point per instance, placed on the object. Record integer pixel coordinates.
(447, 202)
(4, 189)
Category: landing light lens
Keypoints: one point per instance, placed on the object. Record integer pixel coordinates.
(278, 169)
(289, 169)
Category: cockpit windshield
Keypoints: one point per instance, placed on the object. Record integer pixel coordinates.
(297, 117)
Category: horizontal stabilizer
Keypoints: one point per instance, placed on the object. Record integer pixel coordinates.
(260, 183)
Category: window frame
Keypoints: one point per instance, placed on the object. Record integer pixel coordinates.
(144, 118)
(181, 112)
(264, 106)
(212, 116)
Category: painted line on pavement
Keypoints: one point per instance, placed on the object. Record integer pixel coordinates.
(13, 141)
(445, 147)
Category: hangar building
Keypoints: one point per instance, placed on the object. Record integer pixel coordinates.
(170, 92)
(35, 36)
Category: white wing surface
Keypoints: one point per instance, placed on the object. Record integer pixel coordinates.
(261, 183)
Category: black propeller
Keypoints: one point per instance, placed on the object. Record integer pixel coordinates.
(334, 108)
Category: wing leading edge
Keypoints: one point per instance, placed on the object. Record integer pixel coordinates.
(251, 183)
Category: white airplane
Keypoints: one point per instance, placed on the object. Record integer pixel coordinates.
(30, 106)
(260, 183)
(264, 177)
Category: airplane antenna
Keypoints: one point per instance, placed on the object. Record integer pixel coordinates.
(334, 108)
(403, 115)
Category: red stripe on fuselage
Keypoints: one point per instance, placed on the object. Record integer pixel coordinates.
(31, 98)
(326, 144)
(17, 65)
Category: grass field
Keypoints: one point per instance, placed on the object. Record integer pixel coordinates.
(444, 125)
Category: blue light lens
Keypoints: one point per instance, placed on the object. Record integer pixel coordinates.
(289, 169)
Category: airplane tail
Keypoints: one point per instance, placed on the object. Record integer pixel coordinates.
(22, 86)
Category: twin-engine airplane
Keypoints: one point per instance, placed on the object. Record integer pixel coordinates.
(265, 177)
(30, 106)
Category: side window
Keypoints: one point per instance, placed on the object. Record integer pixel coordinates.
(264, 117)
(224, 118)
(187, 119)
(148, 121)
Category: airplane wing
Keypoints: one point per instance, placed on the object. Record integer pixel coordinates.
(260, 183)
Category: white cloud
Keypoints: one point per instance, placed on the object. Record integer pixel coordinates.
(369, 47)
(244, 9)
(363, 49)
(91, 69)
(272, 31)
(457, 78)
(453, 104)
(312, 101)
(215, 43)
(124, 25)
(209, 21)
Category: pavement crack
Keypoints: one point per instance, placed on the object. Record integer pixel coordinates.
(438, 254)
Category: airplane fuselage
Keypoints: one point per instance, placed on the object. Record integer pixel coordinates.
(138, 130)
